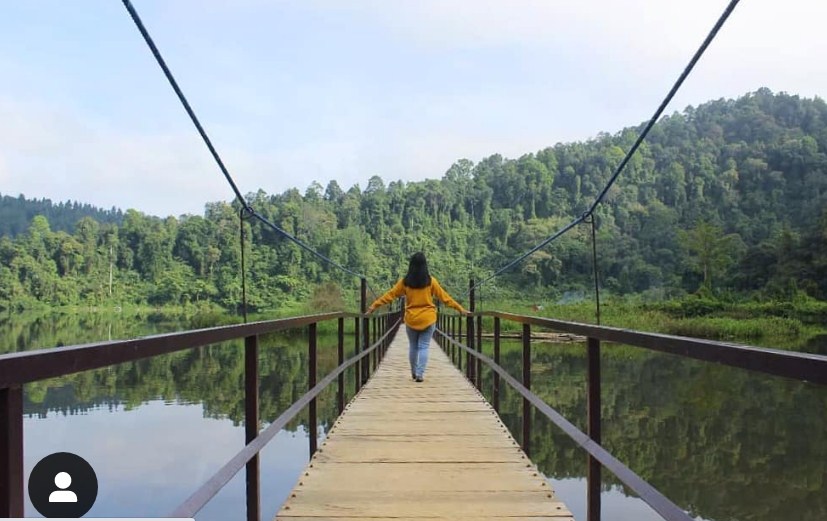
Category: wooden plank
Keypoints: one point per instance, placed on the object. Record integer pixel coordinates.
(416, 428)
(432, 440)
(416, 407)
(408, 450)
(429, 476)
(366, 450)
(331, 503)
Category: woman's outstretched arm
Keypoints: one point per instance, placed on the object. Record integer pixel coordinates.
(394, 293)
(443, 295)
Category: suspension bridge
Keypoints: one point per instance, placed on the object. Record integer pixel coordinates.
(400, 449)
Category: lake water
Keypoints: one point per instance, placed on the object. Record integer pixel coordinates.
(725, 444)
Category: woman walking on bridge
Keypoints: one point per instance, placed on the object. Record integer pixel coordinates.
(418, 287)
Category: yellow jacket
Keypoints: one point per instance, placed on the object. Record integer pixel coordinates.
(420, 310)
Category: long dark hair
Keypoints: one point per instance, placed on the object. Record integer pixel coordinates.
(418, 276)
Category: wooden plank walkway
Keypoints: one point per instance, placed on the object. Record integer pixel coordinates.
(406, 450)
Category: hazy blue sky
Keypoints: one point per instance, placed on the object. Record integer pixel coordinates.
(293, 92)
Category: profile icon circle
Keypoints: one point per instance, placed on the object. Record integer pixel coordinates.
(63, 485)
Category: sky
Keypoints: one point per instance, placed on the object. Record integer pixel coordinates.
(293, 92)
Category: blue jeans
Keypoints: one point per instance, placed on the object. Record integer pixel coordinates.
(418, 342)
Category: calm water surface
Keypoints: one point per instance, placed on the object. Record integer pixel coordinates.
(724, 444)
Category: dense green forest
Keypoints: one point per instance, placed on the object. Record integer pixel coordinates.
(728, 198)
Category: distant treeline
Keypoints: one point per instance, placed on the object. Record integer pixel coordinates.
(728, 197)
(16, 214)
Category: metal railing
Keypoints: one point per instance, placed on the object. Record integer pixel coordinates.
(798, 366)
(17, 369)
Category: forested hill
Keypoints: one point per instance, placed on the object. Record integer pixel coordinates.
(726, 197)
(16, 214)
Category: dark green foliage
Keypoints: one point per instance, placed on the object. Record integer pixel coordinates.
(729, 198)
(16, 214)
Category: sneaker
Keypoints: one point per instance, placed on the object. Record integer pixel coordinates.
(419, 379)
(413, 376)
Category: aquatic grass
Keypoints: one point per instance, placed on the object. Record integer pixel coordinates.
(723, 328)
(701, 318)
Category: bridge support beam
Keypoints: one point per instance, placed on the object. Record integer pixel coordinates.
(454, 321)
(479, 350)
(11, 452)
(340, 354)
(357, 371)
(496, 393)
(470, 362)
(593, 475)
(527, 384)
(459, 337)
(252, 425)
(312, 428)
(365, 362)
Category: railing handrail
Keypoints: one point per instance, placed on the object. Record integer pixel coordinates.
(791, 364)
(29, 366)
(649, 494)
(212, 486)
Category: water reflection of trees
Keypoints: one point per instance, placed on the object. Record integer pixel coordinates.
(721, 442)
(212, 376)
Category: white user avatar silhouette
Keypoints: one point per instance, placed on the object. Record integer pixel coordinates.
(63, 480)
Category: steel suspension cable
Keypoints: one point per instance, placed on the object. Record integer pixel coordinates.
(301, 244)
(306, 247)
(539, 246)
(687, 70)
(183, 99)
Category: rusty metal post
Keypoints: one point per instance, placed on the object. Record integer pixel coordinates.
(459, 339)
(594, 470)
(357, 366)
(11, 452)
(371, 340)
(375, 338)
(496, 393)
(527, 384)
(384, 329)
(449, 330)
(312, 428)
(470, 361)
(443, 340)
(252, 425)
(439, 325)
(340, 352)
(453, 327)
(479, 350)
(365, 330)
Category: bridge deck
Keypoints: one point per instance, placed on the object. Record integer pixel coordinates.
(407, 450)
